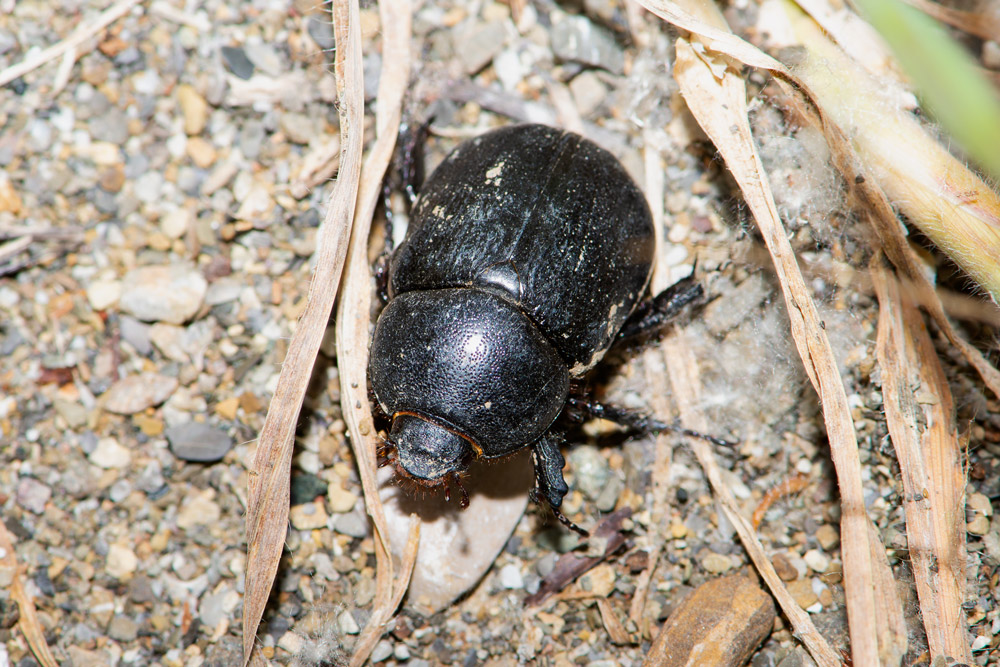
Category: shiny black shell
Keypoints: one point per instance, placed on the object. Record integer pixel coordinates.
(527, 249)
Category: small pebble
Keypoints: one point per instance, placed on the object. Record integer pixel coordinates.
(481, 42)
(816, 560)
(802, 592)
(321, 32)
(32, 494)
(828, 537)
(341, 500)
(123, 629)
(352, 524)
(199, 509)
(784, 568)
(194, 108)
(109, 454)
(382, 651)
(979, 525)
(290, 642)
(716, 563)
(600, 580)
(510, 577)
(121, 561)
(102, 294)
(309, 516)
(135, 393)
(576, 39)
(171, 294)
(199, 442)
(266, 58)
(236, 61)
(590, 469)
(347, 624)
(979, 503)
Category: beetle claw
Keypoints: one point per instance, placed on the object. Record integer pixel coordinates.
(465, 494)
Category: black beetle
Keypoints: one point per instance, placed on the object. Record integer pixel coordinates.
(527, 250)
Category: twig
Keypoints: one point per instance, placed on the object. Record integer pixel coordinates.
(28, 622)
(75, 40)
(269, 479)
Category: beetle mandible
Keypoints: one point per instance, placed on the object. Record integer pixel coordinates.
(527, 251)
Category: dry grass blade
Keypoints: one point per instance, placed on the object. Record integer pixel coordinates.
(875, 199)
(268, 496)
(716, 96)
(71, 43)
(611, 623)
(353, 314)
(919, 412)
(28, 622)
(682, 368)
(937, 192)
(657, 383)
(848, 163)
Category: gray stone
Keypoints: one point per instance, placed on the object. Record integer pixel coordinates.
(196, 441)
(111, 127)
(321, 32)
(576, 39)
(382, 651)
(479, 44)
(136, 334)
(354, 524)
(510, 577)
(590, 470)
(135, 393)
(236, 61)
(151, 479)
(171, 293)
(32, 494)
(123, 629)
(265, 58)
(223, 290)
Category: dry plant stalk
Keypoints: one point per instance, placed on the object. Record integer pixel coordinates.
(28, 622)
(682, 368)
(353, 322)
(940, 195)
(919, 411)
(716, 95)
(886, 223)
(268, 497)
(883, 218)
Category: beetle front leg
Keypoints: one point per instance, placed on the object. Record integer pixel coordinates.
(651, 315)
(634, 421)
(550, 485)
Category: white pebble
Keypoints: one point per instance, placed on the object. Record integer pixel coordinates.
(510, 577)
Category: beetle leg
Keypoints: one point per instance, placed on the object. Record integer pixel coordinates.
(550, 485)
(637, 421)
(465, 494)
(384, 453)
(652, 314)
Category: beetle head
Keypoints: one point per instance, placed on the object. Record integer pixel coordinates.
(426, 452)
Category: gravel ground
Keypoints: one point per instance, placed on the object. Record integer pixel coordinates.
(158, 252)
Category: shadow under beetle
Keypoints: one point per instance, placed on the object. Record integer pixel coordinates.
(527, 254)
